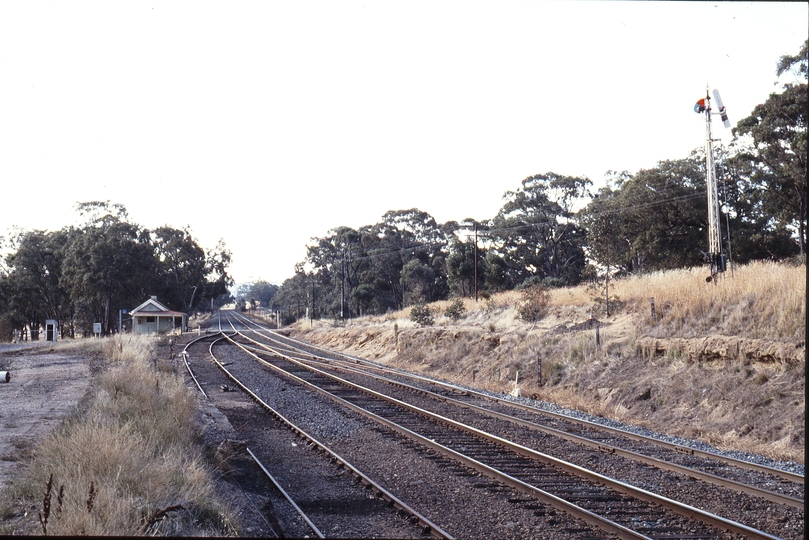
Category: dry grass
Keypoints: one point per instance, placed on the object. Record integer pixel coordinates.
(126, 456)
(129, 348)
(761, 300)
(751, 403)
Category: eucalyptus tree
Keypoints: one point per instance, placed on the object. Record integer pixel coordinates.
(754, 233)
(363, 298)
(495, 272)
(180, 268)
(416, 226)
(535, 234)
(108, 265)
(86, 274)
(466, 257)
(384, 251)
(337, 261)
(215, 287)
(188, 277)
(406, 238)
(771, 146)
(35, 293)
(263, 292)
(23, 309)
(258, 293)
(297, 294)
(7, 318)
(424, 240)
(461, 267)
(655, 219)
(417, 281)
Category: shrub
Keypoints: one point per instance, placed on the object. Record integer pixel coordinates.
(533, 303)
(455, 310)
(602, 306)
(422, 315)
(492, 305)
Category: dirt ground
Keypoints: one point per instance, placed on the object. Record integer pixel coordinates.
(44, 387)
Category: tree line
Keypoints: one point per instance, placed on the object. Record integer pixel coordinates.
(555, 231)
(85, 274)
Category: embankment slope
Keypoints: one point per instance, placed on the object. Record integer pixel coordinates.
(724, 364)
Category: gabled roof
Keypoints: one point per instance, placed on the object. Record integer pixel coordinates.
(153, 307)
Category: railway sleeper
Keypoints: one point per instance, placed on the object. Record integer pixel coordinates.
(519, 500)
(487, 485)
(590, 497)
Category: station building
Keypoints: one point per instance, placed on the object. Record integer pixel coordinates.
(152, 316)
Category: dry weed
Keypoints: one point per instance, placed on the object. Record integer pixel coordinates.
(129, 348)
(128, 455)
(760, 300)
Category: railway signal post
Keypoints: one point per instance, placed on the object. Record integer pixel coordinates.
(716, 258)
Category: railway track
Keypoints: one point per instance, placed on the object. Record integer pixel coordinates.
(432, 480)
(520, 461)
(774, 485)
(305, 513)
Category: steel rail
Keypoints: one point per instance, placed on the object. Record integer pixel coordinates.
(184, 354)
(287, 496)
(627, 489)
(557, 502)
(428, 526)
(600, 446)
(792, 477)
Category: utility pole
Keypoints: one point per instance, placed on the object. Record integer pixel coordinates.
(120, 320)
(476, 262)
(312, 313)
(343, 285)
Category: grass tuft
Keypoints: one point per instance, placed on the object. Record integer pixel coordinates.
(125, 461)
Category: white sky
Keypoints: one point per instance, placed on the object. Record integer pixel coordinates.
(268, 123)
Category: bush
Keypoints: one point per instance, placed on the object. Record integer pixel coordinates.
(533, 303)
(492, 305)
(422, 315)
(602, 306)
(455, 310)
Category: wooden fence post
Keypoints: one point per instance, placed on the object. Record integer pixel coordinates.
(539, 370)
(598, 337)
